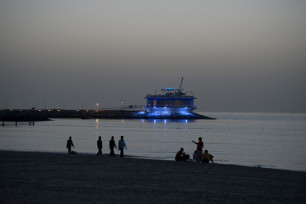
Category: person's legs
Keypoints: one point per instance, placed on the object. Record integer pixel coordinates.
(185, 157)
(121, 152)
(200, 152)
(205, 161)
(112, 153)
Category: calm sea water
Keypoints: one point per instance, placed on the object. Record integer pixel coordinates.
(250, 139)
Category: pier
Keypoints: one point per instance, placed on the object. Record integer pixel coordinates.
(129, 112)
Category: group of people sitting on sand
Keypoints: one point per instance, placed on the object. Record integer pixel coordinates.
(198, 155)
(112, 145)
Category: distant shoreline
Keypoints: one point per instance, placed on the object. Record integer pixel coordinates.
(51, 178)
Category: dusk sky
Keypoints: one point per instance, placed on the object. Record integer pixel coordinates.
(240, 55)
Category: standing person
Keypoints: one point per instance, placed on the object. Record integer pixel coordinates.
(121, 145)
(112, 144)
(99, 144)
(69, 145)
(200, 146)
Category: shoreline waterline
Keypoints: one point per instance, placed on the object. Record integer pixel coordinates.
(105, 155)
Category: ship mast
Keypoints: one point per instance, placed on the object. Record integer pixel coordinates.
(181, 84)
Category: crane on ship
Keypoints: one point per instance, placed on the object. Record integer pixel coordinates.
(179, 90)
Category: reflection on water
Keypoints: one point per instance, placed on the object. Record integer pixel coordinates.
(253, 139)
(166, 121)
(97, 123)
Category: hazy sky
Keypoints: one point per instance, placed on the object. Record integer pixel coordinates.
(242, 55)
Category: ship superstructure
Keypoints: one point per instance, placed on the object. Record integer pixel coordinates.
(170, 102)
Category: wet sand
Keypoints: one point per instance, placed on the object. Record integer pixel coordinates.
(27, 177)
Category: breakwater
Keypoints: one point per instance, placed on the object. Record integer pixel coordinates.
(46, 114)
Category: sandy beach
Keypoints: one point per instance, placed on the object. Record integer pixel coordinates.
(34, 177)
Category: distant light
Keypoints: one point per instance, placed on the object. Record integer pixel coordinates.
(49, 110)
(140, 113)
(186, 121)
(39, 110)
(58, 110)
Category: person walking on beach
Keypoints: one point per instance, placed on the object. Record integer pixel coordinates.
(69, 145)
(112, 145)
(200, 146)
(99, 144)
(206, 157)
(121, 146)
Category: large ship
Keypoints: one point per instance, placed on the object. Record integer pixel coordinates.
(171, 104)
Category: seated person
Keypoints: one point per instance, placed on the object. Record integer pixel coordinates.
(196, 157)
(206, 157)
(181, 156)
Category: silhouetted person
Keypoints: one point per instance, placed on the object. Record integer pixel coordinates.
(99, 145)
(181, 156)
(200, 146)
(112, 145)
(121, 146)
(196, 157)
(69, 144)
(206, 157)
